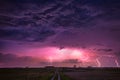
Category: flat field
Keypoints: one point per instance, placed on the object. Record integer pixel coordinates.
(26, 74)
(65, 73)
(93, 74)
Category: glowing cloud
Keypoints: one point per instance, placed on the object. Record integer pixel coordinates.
(70, 53)
(53, 54)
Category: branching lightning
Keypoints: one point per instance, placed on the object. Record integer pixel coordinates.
(117, 64)
(98, 62)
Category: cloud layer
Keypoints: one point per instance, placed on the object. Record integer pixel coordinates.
(88, 24)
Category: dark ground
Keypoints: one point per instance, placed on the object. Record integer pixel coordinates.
(26, 73)
(66, 73)
(93, 73)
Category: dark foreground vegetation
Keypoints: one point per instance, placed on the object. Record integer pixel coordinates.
(92, 73)
(65, 73)
(26, 73)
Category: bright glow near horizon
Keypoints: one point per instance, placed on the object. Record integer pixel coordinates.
(53, 54)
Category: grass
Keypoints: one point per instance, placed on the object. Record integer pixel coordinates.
(65, 77)
(93, 73)
(25, 74)
(47, 77)
(66, 74)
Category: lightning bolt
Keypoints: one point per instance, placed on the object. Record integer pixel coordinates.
(111, 56)
(117, 64)
(98, 62)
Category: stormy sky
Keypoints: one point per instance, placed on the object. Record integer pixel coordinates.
(61, 33)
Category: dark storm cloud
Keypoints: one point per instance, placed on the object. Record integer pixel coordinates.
(71, 61)
(58, 13)
(66, 62)
(26, 35)
(106, 50)
(76, 23)
(26, 1)
(2, 45)
(6, 58)
(12, 60)
(6, 20)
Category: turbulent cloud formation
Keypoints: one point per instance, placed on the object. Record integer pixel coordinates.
(12, 60)
(92, 25)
